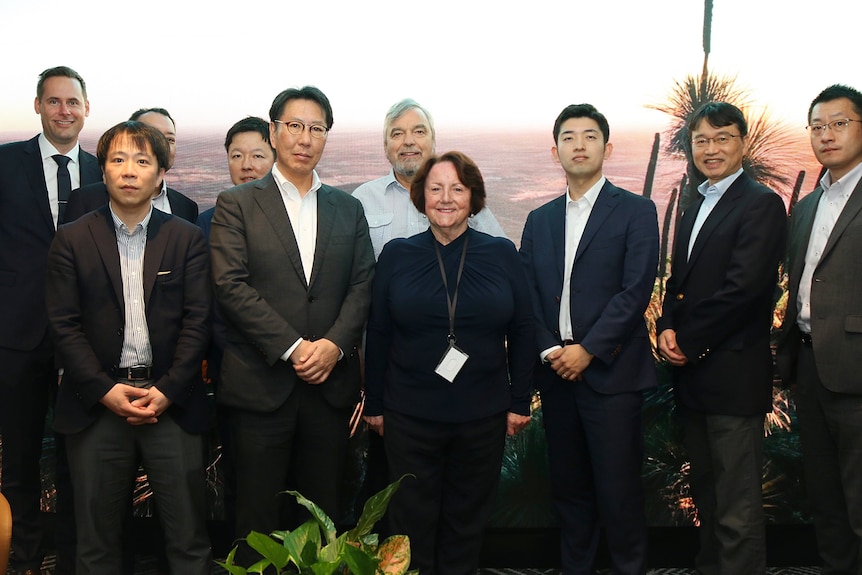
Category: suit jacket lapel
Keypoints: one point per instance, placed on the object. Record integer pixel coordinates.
(326, 208)
(804, 215)
(105, 238)
(726, 204)
(89, 171)
(848, 214)
(36, 176)
(154, 254)
(269, 199)
(606, 201)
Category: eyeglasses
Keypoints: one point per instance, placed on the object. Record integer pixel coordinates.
(296, 127)
(836, 126)
(719, 141)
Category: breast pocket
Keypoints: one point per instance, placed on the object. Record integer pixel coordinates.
(379, 230)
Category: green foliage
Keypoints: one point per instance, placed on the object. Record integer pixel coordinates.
(314, 548)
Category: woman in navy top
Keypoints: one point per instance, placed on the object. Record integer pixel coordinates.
(450, 376)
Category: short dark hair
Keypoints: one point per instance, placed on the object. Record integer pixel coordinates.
(304, 93)
(62, 72)
(834, 92)
(138, 113)
(468, 172)
(719, 115)
(582, 111)
(248, 124)
(144, 137)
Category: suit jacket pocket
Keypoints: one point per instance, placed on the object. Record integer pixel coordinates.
(853, 323)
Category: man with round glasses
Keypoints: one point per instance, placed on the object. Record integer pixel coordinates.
(820, 342)
(715, 333)
(292, 266)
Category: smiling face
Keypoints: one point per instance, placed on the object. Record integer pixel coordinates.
(409, 140)
(837, 151)
(298, 154)
(581, 151)
(132, 175)
(62, 108)
(447, 201)
(249, 157)
(718, 161)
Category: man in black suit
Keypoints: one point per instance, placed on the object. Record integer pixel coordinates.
(715, 332)
(292, 265)
(819, 348)
(166, 199)
(591, 255)
(129, 305)
(34, 187)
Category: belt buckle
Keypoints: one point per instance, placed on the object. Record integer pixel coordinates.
(138, 372)
(805, 338)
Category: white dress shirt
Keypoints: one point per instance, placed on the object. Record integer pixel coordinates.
(831, 204)
(49, 168)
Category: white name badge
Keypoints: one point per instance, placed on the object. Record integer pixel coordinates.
(452, 362)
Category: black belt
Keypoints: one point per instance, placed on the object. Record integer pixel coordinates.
(568, 342)
(805, 338)
(134, 373)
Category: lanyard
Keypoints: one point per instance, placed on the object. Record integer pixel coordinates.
(451, 302)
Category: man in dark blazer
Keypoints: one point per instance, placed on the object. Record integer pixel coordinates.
(820, 345)
(129, 302)
(88, 198)
(715, 332)
(591, 257)
(30, 202)
(292, 265)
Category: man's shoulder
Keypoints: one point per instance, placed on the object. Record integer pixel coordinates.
(11, 150)
(372, 188)
(339, 195)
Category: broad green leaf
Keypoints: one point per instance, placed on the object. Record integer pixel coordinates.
(260, 566)
(303, 543)
(374, 509)
(268, 548)
(326, 524)
(324, 568)
(359, 562)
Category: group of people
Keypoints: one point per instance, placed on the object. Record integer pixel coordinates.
(114, 289)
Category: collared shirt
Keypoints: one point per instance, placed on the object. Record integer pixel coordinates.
(711, 195)
(49, 168)
(577, 214)
(302, 212)
(136, 334)
(831, 204)
(160, 202)
(391, 214)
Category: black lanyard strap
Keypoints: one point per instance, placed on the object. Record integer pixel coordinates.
(451, 302)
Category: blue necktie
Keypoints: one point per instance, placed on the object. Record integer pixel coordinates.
(64, 185)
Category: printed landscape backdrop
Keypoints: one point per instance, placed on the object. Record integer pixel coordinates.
(495, 78)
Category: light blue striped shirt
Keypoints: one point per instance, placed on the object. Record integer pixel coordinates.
(136, 335)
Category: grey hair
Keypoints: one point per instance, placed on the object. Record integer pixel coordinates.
(399, 109)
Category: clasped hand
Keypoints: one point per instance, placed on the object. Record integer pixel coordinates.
(138, 405)
(313, 361)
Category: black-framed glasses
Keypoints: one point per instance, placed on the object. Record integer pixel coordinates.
(836, 126)
(296, 127)
(720, 141)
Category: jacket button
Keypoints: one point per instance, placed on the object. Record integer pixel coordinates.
(680, 297)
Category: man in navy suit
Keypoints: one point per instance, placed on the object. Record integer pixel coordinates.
(166, 199)
(715, 332)
(129, 303)
(33, 192)
(591, 257)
